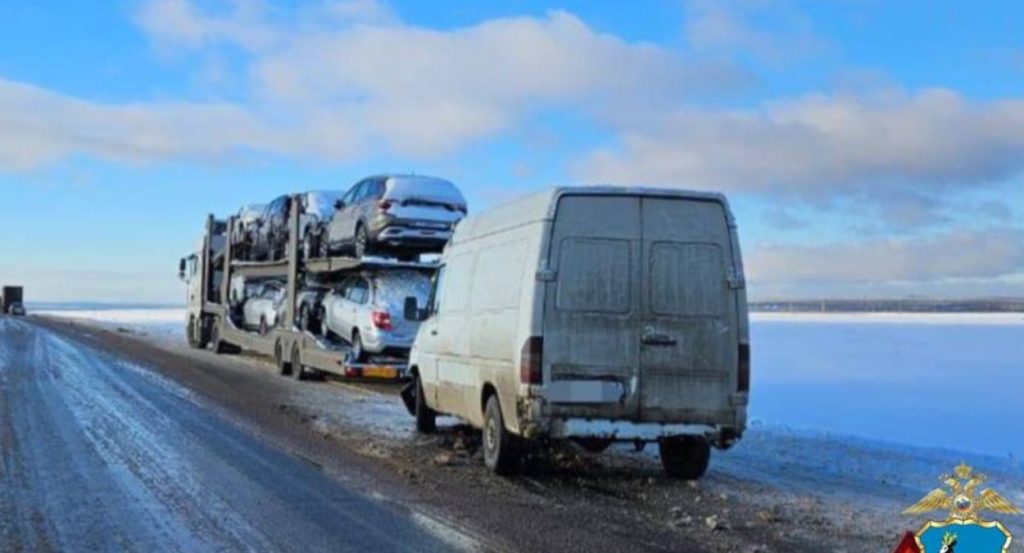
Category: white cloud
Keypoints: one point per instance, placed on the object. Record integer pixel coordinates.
(957, 254)
(39, 127)
(728, 27)
(822, 146)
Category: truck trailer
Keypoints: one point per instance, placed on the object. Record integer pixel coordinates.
(11, 295)
(211, 321)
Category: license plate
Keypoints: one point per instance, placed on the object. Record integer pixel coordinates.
(380, 372)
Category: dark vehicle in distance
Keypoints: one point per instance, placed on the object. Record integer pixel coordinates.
(11, 295)
(405, 214)
(17, 309)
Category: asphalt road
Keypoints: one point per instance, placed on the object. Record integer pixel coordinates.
(101, 455)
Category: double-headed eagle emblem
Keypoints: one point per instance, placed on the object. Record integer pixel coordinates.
(962, 500)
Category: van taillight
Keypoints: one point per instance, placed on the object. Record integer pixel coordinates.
(743, 379)
(381, 320)
(530, 362)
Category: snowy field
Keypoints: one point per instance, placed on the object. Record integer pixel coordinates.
(164, 324)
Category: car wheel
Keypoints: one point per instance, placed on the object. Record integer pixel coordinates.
(357, 353)
(426, 418)
(304, 318)
(298, 371)
(685, 457)
(263, 326)
(501, 454)
(362, 242)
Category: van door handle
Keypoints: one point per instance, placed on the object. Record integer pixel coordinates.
(658, 339)
(433, 332)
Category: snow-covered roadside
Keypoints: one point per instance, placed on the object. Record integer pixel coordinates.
(166, 325)
(867, 406)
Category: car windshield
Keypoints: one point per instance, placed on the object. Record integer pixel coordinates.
(393, 287)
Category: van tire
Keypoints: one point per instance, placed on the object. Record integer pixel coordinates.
(426, 418)
(501, 454)
(685, 457)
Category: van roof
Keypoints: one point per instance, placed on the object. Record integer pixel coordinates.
(541, 206)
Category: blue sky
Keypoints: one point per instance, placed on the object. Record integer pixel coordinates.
(869, 148)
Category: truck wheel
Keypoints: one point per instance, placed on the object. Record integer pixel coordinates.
(283, 366)
(500, 452)
(216, 344)
(685, 457)
(190, 333)
(298, 371)
(362, 242)
(426, 418)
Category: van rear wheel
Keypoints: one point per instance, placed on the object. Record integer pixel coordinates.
(426, 418)
(685, 457)
(501, 454)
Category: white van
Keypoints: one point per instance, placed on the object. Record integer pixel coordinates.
(596, 314)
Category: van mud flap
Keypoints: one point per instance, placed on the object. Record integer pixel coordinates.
(408, 394)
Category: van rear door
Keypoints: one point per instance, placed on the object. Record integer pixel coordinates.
(689, 336)
(591, 314)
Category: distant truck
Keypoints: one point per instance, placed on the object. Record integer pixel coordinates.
(12, 295)
(593, 314)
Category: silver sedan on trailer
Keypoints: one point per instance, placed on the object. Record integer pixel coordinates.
(366, 310)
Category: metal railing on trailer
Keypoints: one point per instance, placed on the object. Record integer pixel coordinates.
(289, 346)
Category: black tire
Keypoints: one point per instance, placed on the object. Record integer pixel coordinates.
(190, 333)
(361, 242)
(298, 371)
(685, 457)
(216, 344)
(304, 317)
(263, 326)
(357, 353)
(426, 418)
(284, 368)
(501, 452)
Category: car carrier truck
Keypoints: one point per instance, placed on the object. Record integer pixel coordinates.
(212, 323)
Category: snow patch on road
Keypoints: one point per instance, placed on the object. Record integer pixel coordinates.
(165, 324)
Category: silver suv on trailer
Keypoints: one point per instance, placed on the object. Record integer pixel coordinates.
(407, 214)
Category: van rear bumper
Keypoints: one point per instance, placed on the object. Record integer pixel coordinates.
(633, 431)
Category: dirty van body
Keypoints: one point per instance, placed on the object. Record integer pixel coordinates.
(595, 314)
